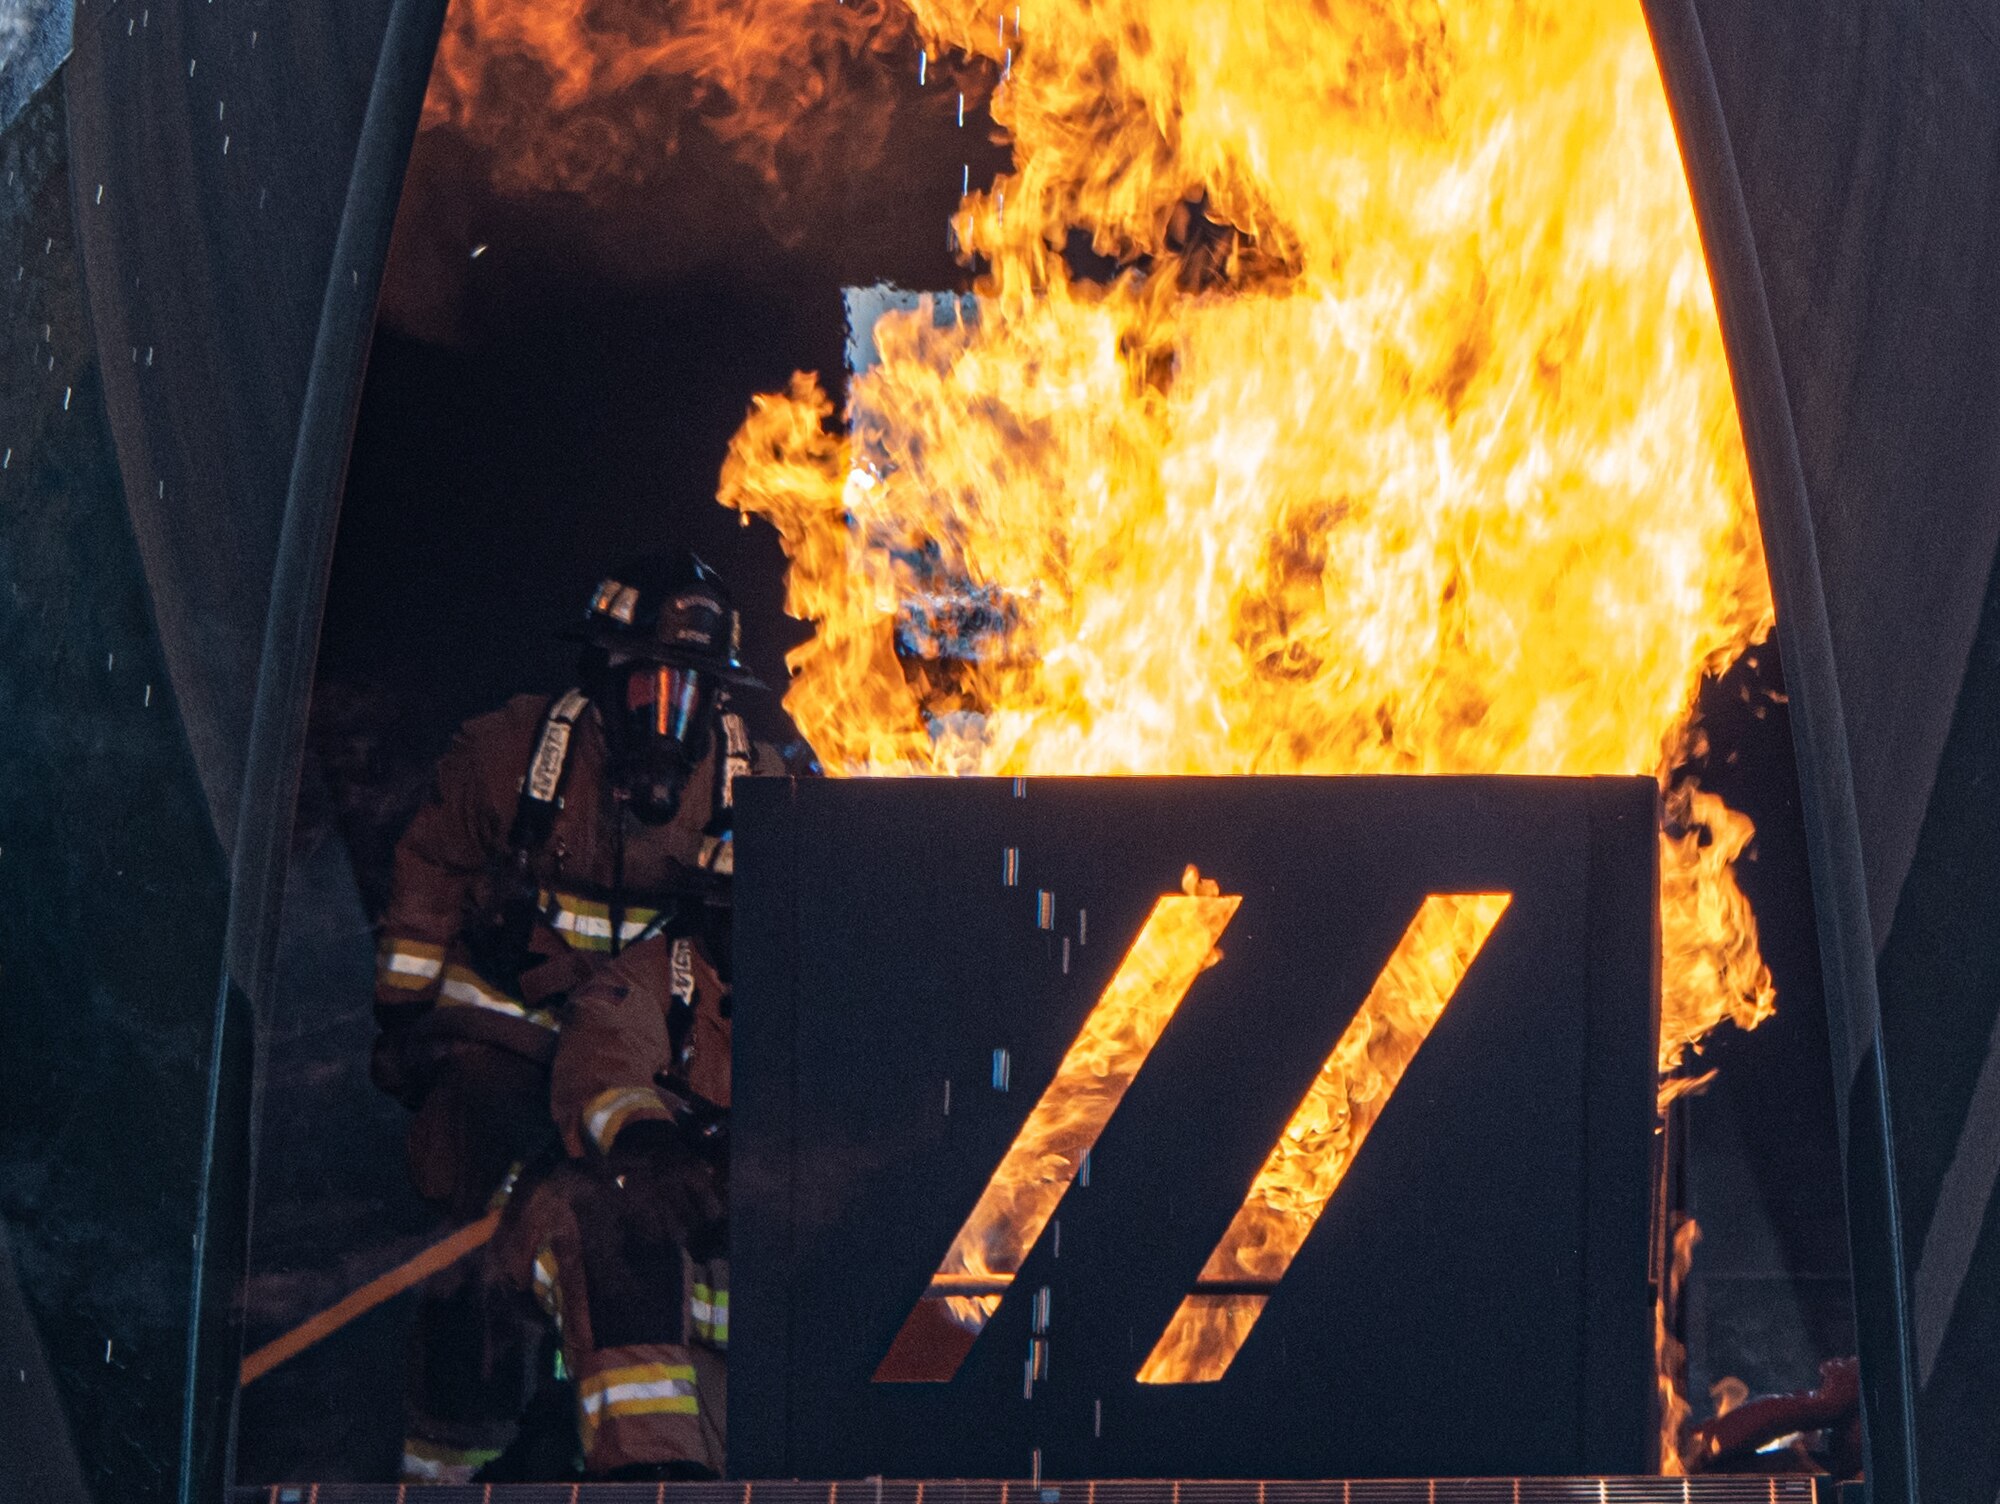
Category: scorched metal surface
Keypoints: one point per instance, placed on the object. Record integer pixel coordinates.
(915, 957)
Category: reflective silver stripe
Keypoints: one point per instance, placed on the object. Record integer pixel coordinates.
(545, 773)
(426, 1470)
(552, 747)
(403, 961)
(462, 989)
(598, 926)
(432, 1462)
(617, 1105)
(735, 756)
(710, 1309)
(619, 1395)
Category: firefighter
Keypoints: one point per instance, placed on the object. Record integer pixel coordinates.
(552, 1000)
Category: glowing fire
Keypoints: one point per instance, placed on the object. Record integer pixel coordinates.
(1670, 1356)
(582, 95)
(1428, 463)
(1176, 943)
(1405, 443)
(1319, 1144)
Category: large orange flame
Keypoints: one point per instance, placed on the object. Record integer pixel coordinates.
(1669, 1353)
(1412, 450)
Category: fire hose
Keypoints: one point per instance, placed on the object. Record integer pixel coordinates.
(412, 1271)
(705, 1123)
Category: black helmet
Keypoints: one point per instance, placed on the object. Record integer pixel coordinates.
(668, 607)
(662, 636)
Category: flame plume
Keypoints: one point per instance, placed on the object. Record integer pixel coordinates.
(1404, 444)
(584, 96)
(1670, 1355)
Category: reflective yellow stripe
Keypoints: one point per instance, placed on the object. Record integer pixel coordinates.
(637, 1373)
(710, 1310)
(464, 989)
(430, 1462)
(641, 1389)
(586, 923)
(609, 1111)
(637, 1389)
(678, 1404)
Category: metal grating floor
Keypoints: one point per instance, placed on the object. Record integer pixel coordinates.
(1713, 1490)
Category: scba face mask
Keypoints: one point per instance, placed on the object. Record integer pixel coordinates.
(665, 729)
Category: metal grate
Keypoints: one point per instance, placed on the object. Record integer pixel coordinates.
(1716, 1490)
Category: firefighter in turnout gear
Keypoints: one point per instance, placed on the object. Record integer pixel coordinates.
(551, 990)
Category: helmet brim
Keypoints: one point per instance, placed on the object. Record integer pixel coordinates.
(644, 650)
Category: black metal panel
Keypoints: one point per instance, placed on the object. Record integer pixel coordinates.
(232, 274)
(1474, 1299)
(1940, 983)
(1867, 143)
(111, 886)
(215, 146)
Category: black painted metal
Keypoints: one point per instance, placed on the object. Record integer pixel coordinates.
(37, 1455)
(216, 154)
(111, 884)
(277, 729)
(213, 146)
(1843, 163)
(1941, 1033)
(1472, 1301)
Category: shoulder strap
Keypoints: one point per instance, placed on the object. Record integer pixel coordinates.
(717, 850)
(541, 786)
(735, 761)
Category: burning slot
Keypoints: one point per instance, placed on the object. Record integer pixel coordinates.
(1327, 1130)
(1052, 1148)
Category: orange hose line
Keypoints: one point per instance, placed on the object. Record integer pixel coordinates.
(413, 1271)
